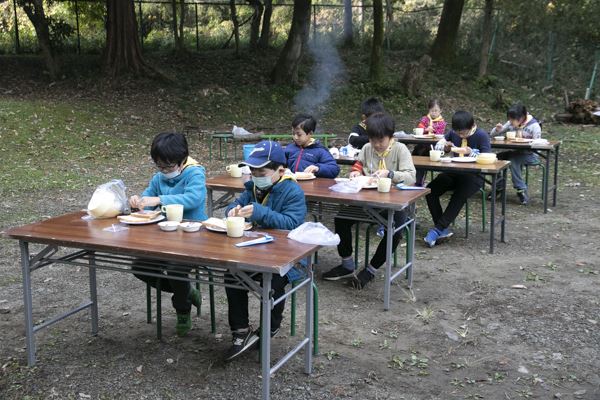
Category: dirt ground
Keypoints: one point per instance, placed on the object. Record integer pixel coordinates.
(462, 333)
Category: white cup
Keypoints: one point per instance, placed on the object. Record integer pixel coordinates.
(419, 131)
(435, 155)
(235, 226)
(174, 212)
(384, 185)
(510, 135)
(234, 170)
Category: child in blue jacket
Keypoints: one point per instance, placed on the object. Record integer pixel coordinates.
(467, 140)
(180, 180)
(272, 199)
(307, 154)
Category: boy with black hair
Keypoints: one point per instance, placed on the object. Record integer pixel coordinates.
(272, 199)
(180, 180)
(519, 119)
(467, 140)
(306, 154)
(358, 136)
(382, 157)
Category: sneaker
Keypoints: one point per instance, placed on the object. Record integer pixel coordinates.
(273, 332)
(445, 234)
(432, 236)
(194, 297)
(241, 342)
(184, 324)
(337, 273)
(523, 197)
(362, 279)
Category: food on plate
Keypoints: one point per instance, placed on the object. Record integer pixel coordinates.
(304, 175)
(146, 214)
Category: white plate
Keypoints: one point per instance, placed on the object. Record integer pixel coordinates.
(371, 186)
(222, 230)
(522, 140)
(424, 136)
(464, 159)
(150, 221)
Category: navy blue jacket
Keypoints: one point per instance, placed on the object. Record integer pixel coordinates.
(479, 141)
(298, 158)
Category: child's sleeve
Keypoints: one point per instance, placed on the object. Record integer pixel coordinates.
(194, 193)
(535, 130)
(291, 215)
(504, 129)
(328, 167)
(423, 123)
(360, 140)
(152, 189)
(405, 169)
(244, 199)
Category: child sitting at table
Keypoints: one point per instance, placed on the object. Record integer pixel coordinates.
(358, 135)
(180, 180)
(307, 154)
(382, 157)
(465, 139)
(272, 199)
(434, 123)
(519, 119)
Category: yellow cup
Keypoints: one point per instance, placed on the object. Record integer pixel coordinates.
(384, 185)
(234, 170)
(510, 135)
(235, 226)
(174, 212)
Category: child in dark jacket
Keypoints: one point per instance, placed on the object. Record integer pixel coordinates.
(307, 154)
(358, 136)
(272, 199)
(465, 139)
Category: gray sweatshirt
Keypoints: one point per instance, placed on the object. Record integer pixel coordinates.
(531, 130)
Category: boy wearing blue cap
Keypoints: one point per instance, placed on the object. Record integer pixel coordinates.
(272, 199)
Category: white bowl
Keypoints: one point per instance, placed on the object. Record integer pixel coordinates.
(499, 138)
(446, 159)
(190, 226)
(168, 226)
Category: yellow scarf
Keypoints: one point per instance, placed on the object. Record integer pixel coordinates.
(310, 142)
(383, 155)
(432, 120)
(463, 143)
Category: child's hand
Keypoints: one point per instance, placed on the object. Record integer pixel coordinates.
(246, 211)
(148, 202)
(382, 173)
(312, 169)
(429, 129)
(234, 211)
(354, 174)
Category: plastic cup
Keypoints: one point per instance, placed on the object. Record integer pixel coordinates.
(384, 185)
(435, 155)
(234, 170)
(510, 135)
(174, 212)
(235, 226)
(419, 131)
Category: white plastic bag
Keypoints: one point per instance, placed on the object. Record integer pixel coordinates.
(239, 131)
(109, 200)
(348, 186)
(314, 233)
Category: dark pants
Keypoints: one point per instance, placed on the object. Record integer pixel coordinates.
(463, 185)
(421, 150)
(237, 300)
(180, 289)
(343, 227)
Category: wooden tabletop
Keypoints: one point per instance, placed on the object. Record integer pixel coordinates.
(425, 163)
(202, 248)
(318, 190)
(499, 144)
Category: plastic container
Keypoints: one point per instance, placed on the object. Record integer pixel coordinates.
(247, 149)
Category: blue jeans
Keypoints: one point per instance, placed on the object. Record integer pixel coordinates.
(518, 159)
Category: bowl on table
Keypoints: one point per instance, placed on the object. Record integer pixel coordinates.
(168, 226)
(190, 226)
(486, 158)
(499, 138)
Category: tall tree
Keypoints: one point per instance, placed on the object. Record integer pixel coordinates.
(486, 37)
(286, 69)
(348, 36)
(443, 48)
(376, 68)
(123, 52)
(181, 45)
(36, 14)
(255, 22)
(236, 25)
(265, 33)
(177, 27)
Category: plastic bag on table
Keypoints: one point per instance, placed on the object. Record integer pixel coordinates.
(314, 233)
(109, 200)
(349, 186)
(239, 131)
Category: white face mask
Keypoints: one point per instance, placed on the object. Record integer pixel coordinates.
(171, 175)
(263, 182)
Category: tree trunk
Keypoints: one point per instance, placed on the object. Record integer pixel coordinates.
(123, 52)
(174, 25)
(236, 25)
(348, 37)
(255, 22)
(443, 49)
(486, 37)
(35, 12)
(181, 44)
(376, 68)
(286, 69)
(265, 33)
(389, 18)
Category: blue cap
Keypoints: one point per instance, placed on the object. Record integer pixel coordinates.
(263, 153)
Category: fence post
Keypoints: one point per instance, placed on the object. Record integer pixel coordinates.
(141, 24)
(197, 34)
(17, 43)
(550, 55)
(77, 25)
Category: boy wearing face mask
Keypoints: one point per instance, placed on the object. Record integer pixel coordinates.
(272, 199)
(179, 180)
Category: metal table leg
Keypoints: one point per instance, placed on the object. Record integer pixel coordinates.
(93, 294)
(555, 189)
(493, 212)
(209, 203)
(308, 327)
(410, 245)
(388, 260)
(545, 181)
(27, 302)
(265, 335)
(503, 206)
